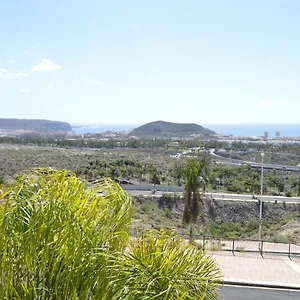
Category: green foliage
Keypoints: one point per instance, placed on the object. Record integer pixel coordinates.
(289, 194)
(149, 207)
(196, 178)
(236, 179)
(154, 175)
(238, 229)
(169, 213)
(281, 238)
(59, 239)
(170, 197)
(163, 266)
(252, 225)
(2, 180)
(226, 230)
(177, 171)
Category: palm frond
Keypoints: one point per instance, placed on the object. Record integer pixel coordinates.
(162, 266)
(58, 238)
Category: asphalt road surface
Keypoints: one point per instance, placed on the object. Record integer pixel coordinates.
(266, 166)
(236, 162)
(146, 190)
(251, 293)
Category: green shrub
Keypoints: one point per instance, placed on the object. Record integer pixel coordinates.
(66, 237)
(2, 180)
(169, 213)
(226, 229)
(149, 206)
(61, 240)
(280, 238)
(162, 266)
(289, 194)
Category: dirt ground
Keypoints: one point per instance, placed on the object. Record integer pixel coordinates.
(17, 158)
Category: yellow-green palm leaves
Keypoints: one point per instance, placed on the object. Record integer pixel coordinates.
(195, 174)
(62, 240)
(165, 267)
(59, 239)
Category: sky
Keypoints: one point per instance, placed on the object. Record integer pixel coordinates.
(196, 61)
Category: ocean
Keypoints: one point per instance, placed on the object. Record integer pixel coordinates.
(285, 130)
(98, 128)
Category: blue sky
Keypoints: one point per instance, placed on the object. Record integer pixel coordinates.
(138, 61)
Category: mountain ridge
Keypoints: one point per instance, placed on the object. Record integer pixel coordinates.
(169, 129)
(39, 125)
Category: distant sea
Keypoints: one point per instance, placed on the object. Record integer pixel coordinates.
(98, 128)
(285, 130)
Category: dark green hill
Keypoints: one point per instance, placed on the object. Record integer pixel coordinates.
(167, 129)
(34, 125)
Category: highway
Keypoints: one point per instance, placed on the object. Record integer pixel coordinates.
(258, 165)
(250, 293)
(236, 162)
(145, 190)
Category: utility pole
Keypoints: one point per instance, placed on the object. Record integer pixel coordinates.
(260, 200)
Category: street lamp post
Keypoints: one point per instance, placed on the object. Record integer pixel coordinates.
(260, 200)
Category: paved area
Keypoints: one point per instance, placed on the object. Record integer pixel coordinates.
(250, 293)
(253, 269)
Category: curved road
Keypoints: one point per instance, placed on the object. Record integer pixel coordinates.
(236, 162)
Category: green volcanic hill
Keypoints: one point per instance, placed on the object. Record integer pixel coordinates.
(167, 129)
(34, 125)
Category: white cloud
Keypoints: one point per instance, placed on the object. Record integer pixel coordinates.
(49, 87)
(92, 81)
(10, 62)
(269, 103)
(26, 90)
(46, 65)
(7, 75)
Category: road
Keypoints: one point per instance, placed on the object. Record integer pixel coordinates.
(250, 293)
(236, 162)
(258, 165)
(160, 190)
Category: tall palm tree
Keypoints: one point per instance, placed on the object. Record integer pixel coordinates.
(154, 173)
(196, 179)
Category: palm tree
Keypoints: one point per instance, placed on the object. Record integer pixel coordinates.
(162, 266)
(196, 179)
(154, 173)
(59, 239)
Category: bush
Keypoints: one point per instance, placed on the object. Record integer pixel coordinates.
(66, 237)
(281, 239)
(289, 194)
(162, 266)
(61, 240)
(169, 213)
(252, 225)
(149, 206)
(226, 230)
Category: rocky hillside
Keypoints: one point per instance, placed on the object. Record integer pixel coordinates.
(167, 129)
(222, 218)
(34, 125)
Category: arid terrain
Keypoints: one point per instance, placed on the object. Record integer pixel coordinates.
(230, 219)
